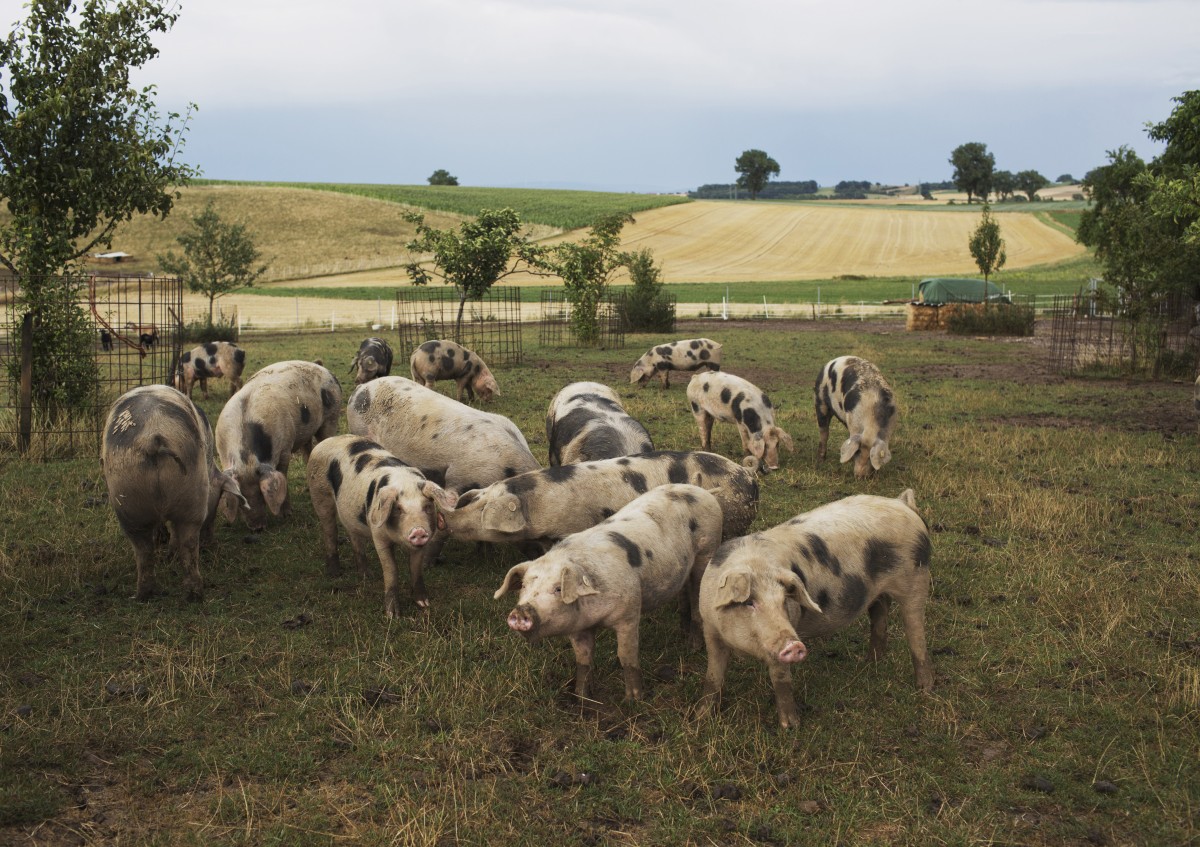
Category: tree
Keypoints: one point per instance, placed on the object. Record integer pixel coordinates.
(442, 177)
(474, 258)
(80, 152)
(756, 169)
(586, 268)
(218, 258)
(1031, 182)
(1004, 184)
(1065, 179)
(973, 169)
(987, 247)
(926, 191)
(647, 307)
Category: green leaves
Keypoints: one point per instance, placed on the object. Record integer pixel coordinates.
(987, 247)
(756, 169)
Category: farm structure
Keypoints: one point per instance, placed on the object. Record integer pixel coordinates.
(490, 326)
(135, 331)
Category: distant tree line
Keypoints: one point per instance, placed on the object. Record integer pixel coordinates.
(772, 190)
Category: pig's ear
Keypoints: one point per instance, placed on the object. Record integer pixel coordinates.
(444, 499)
(231, 495)
(850, 447)
(512, 580)
(733, 588)
(880, 455)
(784, 439)
(381, 509)
(504, 514)
(575, 584)
(795, 590)
(274, 490)
(758, 445)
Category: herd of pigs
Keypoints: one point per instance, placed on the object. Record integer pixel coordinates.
(613, 528)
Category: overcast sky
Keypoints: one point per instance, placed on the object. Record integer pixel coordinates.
(663, 95)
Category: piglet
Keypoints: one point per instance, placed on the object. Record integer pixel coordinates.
(763, 594)
(651, 551)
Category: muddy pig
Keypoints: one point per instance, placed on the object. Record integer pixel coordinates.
(381, 502)
(855, 392)
(210, 361)
(586, 421)
(280, 410)
(651, 551)
(373, 359)
(812, 576)
(731, 399)
(552, 503)
(436, 360)
(156, 455)
(689, 355)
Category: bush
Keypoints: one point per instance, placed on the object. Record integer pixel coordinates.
(647, 307)
(200, 332)
(996, 319)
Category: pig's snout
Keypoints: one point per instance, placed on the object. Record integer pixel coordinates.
(792, 652)
(419, 537)
(522, 619)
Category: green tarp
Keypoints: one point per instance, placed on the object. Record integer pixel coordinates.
(939, 290)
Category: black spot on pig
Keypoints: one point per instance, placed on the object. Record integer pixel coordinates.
(633, 553)
(305, 414)
(186, 357)
(439, 477)
(751, 420)
(362, 516)
(662, 366)
(704, 354)
(362, 401)
(677, 471)
(726, 395)
(822, 598)
(710, 464)
(522, 484)
(693, 525)
(686, 496)
(334, 475)
(508, 472)
(371, 493)
(606, 513)
(361, 462)
(823, 555)
(361, 446)
(636, 481)
(261, 443)
(239, 356)
(664, 350)
(725, 551)
(563, 473)
(211, 348)
(389, 462)
(880, 557)
(695, 405)
(328, 400)
(850, 401)
(884, 410)
(923, 551)
(854, 595)
(800, 574)
(695, 344)
(429, 346)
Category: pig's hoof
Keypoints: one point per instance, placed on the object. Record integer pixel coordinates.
(423, 603)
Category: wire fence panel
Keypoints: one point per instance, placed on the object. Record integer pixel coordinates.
(557, 330)
(135, 330)
(490, 326)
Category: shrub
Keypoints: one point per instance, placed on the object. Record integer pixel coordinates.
(996, 319)
(647, 307)
(199, 332)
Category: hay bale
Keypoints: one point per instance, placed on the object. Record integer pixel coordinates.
(921, 317)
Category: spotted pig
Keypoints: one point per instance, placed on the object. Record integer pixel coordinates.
(550, 504)
(651, 551)
(280, 410)
(213, 360)
(690, 355)
(811, 576)
(731, 399)
(373, 359)
(855, 392)
(156, 454)
(586, 421)
(436, 360)
(381, 502)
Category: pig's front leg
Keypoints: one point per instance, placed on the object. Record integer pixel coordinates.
(785, 700)
(584, 643)
(627, 652)
(714, 677)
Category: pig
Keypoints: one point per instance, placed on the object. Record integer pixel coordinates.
(436, 360)
(156, 454)
(147, 333)
(811, 576)
(280, 410)
(455, 445)
(373, 359)
(652, 550)
(731, 399)
(546, 505)
(586, 421)
(380, 501)
(689, 355)
(853, 390)
(210, 361)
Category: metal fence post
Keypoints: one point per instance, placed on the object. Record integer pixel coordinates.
(25, 425)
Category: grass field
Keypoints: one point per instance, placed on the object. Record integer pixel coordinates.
(284, 708)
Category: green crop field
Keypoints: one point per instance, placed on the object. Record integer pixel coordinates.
(559, 209)
(285, 709)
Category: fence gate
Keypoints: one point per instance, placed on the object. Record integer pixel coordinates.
(490, 326)
(130, 333)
